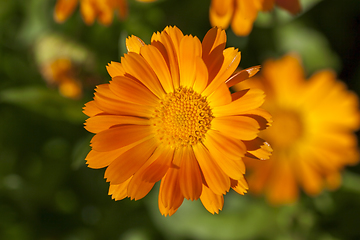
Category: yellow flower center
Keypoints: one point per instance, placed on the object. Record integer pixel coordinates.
(286, 129)
(182, 118)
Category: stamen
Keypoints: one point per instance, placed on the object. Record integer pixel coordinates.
(182, 118)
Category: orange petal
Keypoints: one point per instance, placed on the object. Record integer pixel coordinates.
(170, 195)
(129, 162)
(262, 116)
(170, 54)
(201, 77)
(132, 91)
(278, 190)
(228, 145)
(138, 189)
(137, 66)
(157, 169)
(110, 103)
(221, 12)
(190, 48)
(115, 69)
(244, 16)
(176, 35)
(96, 159)
(120, 136)
(157, 62)
(100, 123)
(309, 178)
(215, 178)
(211, 201)
(233, 168)
(119, 191)
(215, 38)
(221, 96)
(258, 149)
(190, 179)
(133, 44)
(242, 75)
(105, 12)
(229, 64)
(87, 11)
(240, 186)
(240, 127)
(91, 109)
(63, 9)
(247, 100)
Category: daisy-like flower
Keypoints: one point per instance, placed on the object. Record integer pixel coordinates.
(168, 115)
(242, 13)
(92, 9)
(312, 134)
(60, 72)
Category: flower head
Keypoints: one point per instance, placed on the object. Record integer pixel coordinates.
(92, 9)
(242, 13)
(312, 134)
(168, 115)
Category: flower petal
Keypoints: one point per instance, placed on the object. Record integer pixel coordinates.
(110, 103)
(100, 123)
(211, 201)
(220, 13)
(125, 88)
(190, 179)
(229, 65)
(240, 186)
(137, 66)
(119, 136)
(157, 169)
(215, 178)
(233, 168)
(119, 191)
(157, 62)
(242, 75)
(201, 77)
(170, 195)
(126, 165)
(91, 109)
(220, 97)
(115, 69)
(240, 127)
(190, 48)
(248, 99)
(133, 44)
(63, 9)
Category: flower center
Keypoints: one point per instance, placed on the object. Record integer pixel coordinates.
(286, 129)
(182, 118)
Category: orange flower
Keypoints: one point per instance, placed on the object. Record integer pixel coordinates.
(312, 134)
(242, 13)
(91, 9)
(168, 115)
(60, 72)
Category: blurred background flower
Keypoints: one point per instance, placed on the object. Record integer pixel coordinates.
(241, 14)
(46, 190)
(312, 134)
(92, 9)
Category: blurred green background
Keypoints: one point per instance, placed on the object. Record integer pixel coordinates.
(48, 193)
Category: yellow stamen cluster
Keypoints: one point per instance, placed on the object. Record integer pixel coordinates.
(182, 118)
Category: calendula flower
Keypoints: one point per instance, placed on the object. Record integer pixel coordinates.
(92, 9)
(312, 134)
(168, 115)
(242, 13)
(61, 73)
